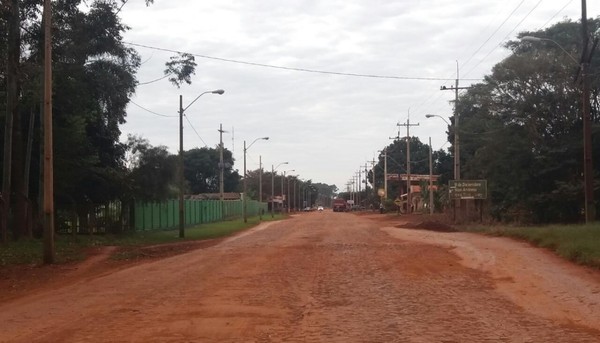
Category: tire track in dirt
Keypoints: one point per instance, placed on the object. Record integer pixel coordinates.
(319, 277)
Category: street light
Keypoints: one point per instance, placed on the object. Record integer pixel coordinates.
(181, 178)
(273, 186)
(456, 146)
(288, 193)
(245, 176)
(588, 171)
(439, 116)
(538, 39)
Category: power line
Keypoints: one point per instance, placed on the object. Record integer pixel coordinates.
(192, 126)
(296, 69)
(493, 33)
(505, 37)
(147, 110)
(148, 82)
(555, 14)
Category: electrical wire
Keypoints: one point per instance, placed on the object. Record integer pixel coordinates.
(147, 110)
(296, 69)
(192, 126)
(148, 82)
(505, 37)
(555, 14)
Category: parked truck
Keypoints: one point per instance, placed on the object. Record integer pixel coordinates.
(340, 205)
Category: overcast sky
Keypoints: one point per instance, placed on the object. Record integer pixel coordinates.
(325, 125)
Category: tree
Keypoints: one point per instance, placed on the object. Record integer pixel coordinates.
(201, 170)
(152, 171)
(521, 129)
(396, 163)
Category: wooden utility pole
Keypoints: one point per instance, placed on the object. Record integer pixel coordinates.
(588, 171)
(48, 150)
(408, 195)
(13, 54)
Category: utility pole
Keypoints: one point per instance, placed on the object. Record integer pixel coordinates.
(456, 134)
(221, 168)
(588, 171)
(181, 178)
(375, 190)
(430, 177)
(408, 195)
(260, 186)
(48, 155)
(456, 126)
(385, 178)
(358, 177)
(366, 184)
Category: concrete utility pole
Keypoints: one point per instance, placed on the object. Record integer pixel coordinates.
(181, 165)
(408, 195)
(456, 133)
(358, 176)
(221, 172)
(260, 186)
(221, 166)
(375, 190)
(456, 126)
(366, 181)
(430, 177)
(181, 176)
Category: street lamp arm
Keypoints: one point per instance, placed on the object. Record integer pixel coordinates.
(263, 138)
(280, 165)
(538, 39)
(439, 116)
(218, 91)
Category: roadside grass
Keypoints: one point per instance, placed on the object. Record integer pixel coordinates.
(73, 248)
(577, 243)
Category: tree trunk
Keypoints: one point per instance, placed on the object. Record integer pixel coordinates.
(12, 102)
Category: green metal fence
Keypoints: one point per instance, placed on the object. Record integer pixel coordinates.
(165, 215)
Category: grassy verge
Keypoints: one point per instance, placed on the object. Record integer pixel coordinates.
(578, 243)
(72, 248)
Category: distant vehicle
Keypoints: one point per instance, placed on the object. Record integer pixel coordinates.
(320, 208)
(339, 205)
(306, 209)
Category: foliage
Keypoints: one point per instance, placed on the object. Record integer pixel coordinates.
(181, 67)
(152, 171)
(521, 129)
(72, 248)
(201, 171)
(419, 157)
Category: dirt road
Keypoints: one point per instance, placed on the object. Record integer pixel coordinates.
(324, 277)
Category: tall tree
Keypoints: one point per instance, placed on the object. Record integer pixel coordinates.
(201, 170)
(522, 129)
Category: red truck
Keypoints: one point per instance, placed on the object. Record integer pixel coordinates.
(339, 205)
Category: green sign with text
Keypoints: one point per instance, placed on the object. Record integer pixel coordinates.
(467, 189)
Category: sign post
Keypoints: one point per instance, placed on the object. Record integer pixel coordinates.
(469, 189)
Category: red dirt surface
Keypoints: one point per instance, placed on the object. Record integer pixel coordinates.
(318, 277)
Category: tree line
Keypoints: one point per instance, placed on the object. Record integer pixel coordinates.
(521, 129)
(94, 78)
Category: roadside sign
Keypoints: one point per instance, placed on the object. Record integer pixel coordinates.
(467, 189)
(398, 202)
